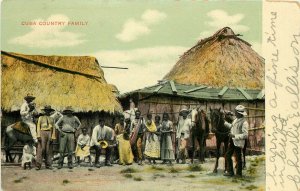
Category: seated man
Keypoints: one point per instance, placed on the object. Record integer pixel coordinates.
(102, 133)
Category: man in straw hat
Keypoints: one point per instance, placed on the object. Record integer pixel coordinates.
(238, 134)
(67, 125)
(45, 135)
(27, 113)
(182, 135)
(101, 134)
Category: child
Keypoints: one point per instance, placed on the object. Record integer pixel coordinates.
(29, 152)
(83, 147)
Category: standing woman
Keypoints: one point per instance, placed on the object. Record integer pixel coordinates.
(124, 147)
(166, 151)
(152, 145)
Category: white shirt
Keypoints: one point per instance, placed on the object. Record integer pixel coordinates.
(184, 126)
(239, 128)
(83, 139)
(25, 112)
(101, 133)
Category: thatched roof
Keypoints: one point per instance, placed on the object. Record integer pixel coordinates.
(220, 60)
(59, 81)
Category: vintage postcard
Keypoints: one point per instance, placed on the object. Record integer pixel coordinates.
(150, 95)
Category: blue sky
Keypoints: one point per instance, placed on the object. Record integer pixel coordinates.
(146, 36)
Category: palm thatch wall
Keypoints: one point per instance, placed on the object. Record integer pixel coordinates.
(223, 59)
(59, 81)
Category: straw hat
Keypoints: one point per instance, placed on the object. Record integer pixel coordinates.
(29, 96)
(68, 109)
(48, 108)
(184, 110)
(241, 110)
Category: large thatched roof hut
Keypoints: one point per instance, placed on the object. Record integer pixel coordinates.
(223, 59)
(221, 71)
(59, 81)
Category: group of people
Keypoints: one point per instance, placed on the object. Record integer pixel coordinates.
(130, 141)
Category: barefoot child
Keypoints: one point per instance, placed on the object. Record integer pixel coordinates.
(29, 152)
(83, 147)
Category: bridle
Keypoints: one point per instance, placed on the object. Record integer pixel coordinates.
(218, 123)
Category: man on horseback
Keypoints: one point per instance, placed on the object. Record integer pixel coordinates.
(27, 112)
(238, 134)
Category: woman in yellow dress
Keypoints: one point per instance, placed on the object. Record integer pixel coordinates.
(152, 144)
(124, 147)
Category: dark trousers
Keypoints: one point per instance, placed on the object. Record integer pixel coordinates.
(238, 151)
(138, 148)
(44, 149)
(98, 152)
(67, 141)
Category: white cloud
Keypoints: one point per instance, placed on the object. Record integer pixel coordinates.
(146, 65)
(151, 16)
(220, 19)
(133, 28)
(47, 36)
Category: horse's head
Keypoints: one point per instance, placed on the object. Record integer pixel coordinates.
(194, 116)
(216, 118)
(228, 116)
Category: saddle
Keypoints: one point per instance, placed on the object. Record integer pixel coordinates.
(21, 127)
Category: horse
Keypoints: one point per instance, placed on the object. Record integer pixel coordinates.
(199, 134)
(221, 133)
(218, 118)
(12, 136)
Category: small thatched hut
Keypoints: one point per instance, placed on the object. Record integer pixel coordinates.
(59, 81)
(223, 59)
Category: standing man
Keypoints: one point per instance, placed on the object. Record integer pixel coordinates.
(137, 129)
(238, 134)
(45, 136)
(182, 135)
(100, 135)
(27, 113)
(67, 125)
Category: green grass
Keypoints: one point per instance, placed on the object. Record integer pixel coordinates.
(20, 179)
(65, 181)
(129, 170)
(195, 168)
(252, 171)
(173, 170)
(251, 187)
(128, 175)
(156, 168)
(137, 179)
(191, 176)
(159, 175)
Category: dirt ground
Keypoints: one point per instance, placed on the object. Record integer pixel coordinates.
(184, 177)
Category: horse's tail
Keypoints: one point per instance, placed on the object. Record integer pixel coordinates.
(6, 139)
